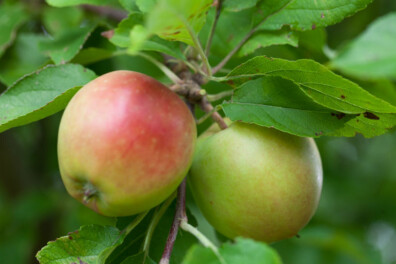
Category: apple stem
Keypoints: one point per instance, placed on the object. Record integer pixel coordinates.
(180, 216)
(207, 107)
(219, 96)
(201, 238)
(206, 116)
(194, 94)
(170, 74)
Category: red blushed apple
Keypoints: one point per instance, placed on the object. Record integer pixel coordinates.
(125, 143)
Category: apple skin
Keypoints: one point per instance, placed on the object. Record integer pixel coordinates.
(256, 182)
(125, 143)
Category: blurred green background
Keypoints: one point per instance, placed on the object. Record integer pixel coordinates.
(355, 222)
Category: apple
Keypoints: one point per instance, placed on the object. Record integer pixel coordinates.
(125, 143)
(256, 182)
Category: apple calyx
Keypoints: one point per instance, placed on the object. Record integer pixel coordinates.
(90, 191)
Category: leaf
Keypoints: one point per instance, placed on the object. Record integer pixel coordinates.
(41, 94)
(164, 46)
(146, 5)
(279, 103)
(133, 241)
(90, 244)
(122, 38)
(237, 5)
(138, 259)
(66, 44)
(368, 127)
(373, 53)
(172, 19)
(57, 19)
(313, 40)
(319, 83)
(22, 58)
(306, 14)
(225, 40)
(91, 55)
(121, 35)
(264, 39)
(242, 251)
(9, 24)
(385, 90)
(63, 3)
(129, 5)
(138, 35)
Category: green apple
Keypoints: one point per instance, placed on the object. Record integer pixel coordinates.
(125, 143)
(256, 182)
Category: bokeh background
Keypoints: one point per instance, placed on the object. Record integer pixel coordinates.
(355, 222)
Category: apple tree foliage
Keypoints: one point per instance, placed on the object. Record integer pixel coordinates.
(47, 52)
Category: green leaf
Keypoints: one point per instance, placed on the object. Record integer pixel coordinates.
(313, 40)
(306, 14)
(90, 244)
(121, 35)
(242, 251)
(146, 5)
(122, 38)
(41, 94)
(373, 53)
(225, 40)
(63, 3)
(91, 55)
(385, 90)
(264, 39)
(129, 5)
(237, 5)
(22, 58)
(279, 103)
(319, 83)
(67, 44)
(138, 36)
(168, 47)
(367, 125)
(9, 24)
(138, 259)
(172, 19)
(133, 241)
(57, 20)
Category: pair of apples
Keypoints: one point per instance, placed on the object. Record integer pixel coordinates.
(126, 142)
